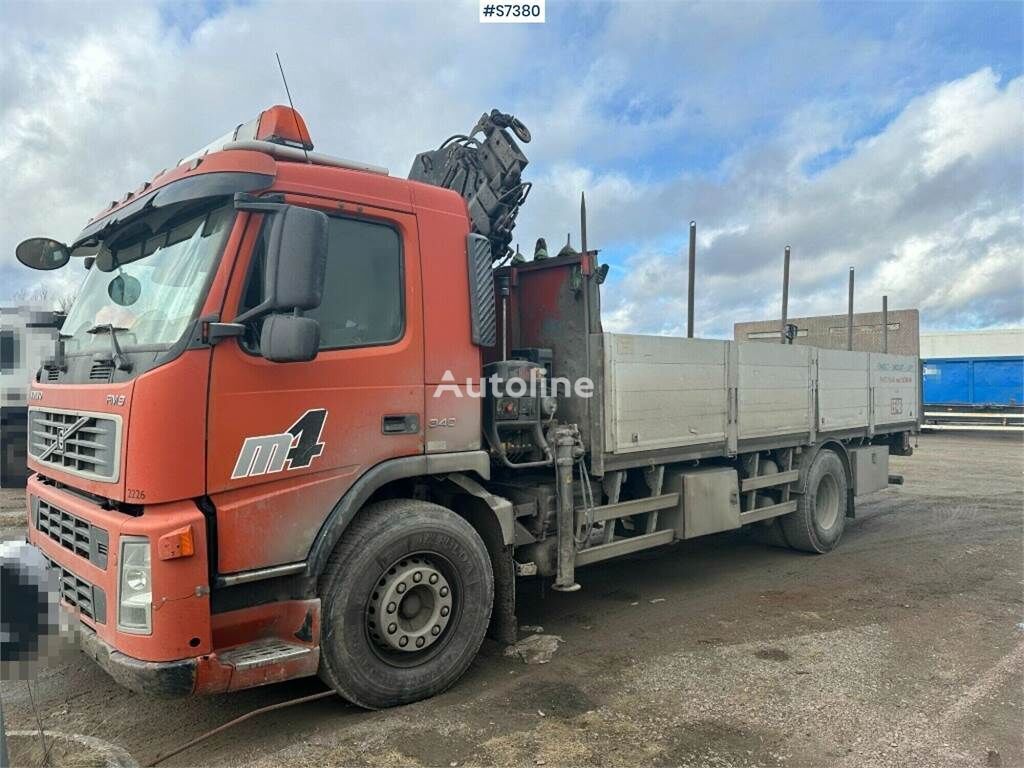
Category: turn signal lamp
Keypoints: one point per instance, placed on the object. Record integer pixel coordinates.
(279, 125)
(177, 543)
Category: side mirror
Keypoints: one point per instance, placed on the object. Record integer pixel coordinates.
(289, 338)
(42, 253)
(296, 260)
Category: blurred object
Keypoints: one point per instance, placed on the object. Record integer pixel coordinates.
(29, 614)
(13, 446)
(27, 338)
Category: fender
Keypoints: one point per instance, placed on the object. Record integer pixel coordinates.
(501, 507)
(807, 458)
(426, 465)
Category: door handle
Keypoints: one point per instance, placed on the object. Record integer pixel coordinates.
(400, 424)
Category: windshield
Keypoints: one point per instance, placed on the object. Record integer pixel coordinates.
(148, 279)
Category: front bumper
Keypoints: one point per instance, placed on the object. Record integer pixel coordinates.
(254, 646)
(88, 562)
(155, 678)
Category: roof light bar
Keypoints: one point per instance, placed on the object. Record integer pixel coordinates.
(277, 125)
(316, 158)
(283, 125)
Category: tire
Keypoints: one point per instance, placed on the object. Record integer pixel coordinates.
(774, 535)
(422, 566)
(768, 532)
(820, 516)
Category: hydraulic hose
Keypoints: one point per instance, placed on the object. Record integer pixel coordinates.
(237, 720)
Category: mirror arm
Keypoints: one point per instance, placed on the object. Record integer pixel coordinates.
(217, 332)
(251, 314)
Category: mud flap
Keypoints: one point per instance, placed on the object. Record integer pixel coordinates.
(504, 625)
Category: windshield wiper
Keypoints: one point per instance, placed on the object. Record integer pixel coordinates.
(119, 359)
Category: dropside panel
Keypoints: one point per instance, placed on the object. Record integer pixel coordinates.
(664, 392)
(774, 390)
(842, 390)
(894, 388)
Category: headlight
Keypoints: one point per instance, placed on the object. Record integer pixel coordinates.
(135, 610)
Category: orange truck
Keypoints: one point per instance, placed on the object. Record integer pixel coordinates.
(303, 419)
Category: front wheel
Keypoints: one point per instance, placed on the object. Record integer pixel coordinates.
(406, 599)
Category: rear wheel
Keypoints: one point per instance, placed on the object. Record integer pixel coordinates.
(407, 598)
(820, 516)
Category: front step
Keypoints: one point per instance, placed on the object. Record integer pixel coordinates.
(264, 653)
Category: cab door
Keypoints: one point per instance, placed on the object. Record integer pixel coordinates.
(286, 440)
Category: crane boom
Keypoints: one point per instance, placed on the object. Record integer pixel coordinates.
(486, 171)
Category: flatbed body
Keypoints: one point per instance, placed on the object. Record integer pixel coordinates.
(693, 398)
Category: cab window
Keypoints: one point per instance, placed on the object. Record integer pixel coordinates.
(364, 298)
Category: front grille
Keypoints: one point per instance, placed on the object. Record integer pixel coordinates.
(90, 600)
(90, 450)
(71, 532)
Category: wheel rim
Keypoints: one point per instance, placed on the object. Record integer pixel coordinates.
(826, 502)
(412, 609)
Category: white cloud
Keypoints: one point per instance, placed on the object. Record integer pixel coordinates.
(112, 94)
(928, 209)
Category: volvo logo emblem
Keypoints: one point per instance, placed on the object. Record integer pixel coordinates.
(62, 436)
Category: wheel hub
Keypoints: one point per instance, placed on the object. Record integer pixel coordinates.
(826, 502)
(410, 606)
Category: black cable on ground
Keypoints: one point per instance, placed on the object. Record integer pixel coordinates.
(237, 720)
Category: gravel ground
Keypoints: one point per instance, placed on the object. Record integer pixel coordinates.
(902, 647)
(12, 508)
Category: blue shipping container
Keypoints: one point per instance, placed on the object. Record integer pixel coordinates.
(979, 382)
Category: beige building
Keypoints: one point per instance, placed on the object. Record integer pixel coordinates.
(830, 331)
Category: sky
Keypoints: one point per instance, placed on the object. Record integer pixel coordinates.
(884, 136)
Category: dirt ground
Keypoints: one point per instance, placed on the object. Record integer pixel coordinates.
(903, 647)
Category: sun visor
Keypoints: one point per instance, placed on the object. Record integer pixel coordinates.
(191, 187)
